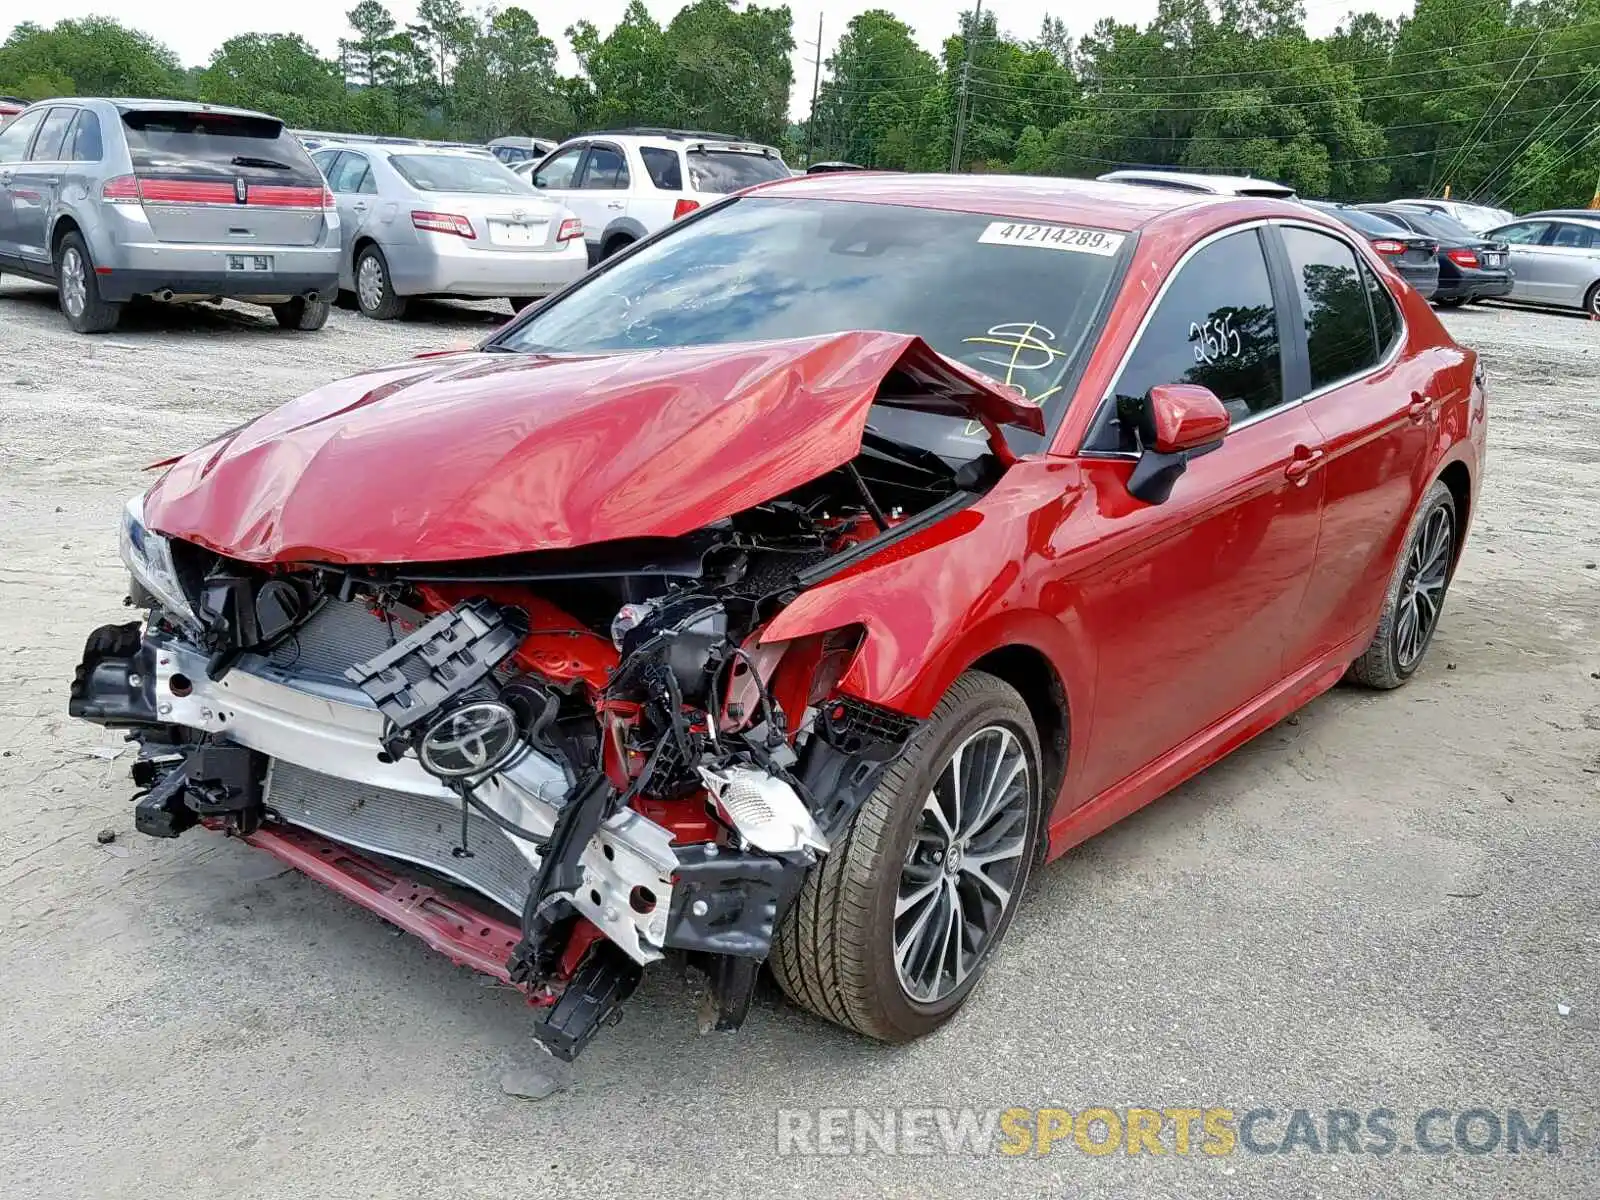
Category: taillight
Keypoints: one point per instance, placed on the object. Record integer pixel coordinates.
(436, 222)
(327, 199)
(124, 189)
(570, 228)
(683, 208)
(1385, 246)
(1463, 258)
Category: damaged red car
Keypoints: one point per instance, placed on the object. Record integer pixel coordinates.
(789, 588)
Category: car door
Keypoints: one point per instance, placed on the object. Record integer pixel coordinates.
(557, 176)
(601, 194)
(1375, 411)
(355, 195)
(15, 139)
(1189, 603)
(36, 185)
(1572, 261)
(1527, 258)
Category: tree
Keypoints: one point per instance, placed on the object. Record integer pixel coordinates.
(444, 31)
(368, 57)
(506, 80)
(95, 56)
(869, 109)
(277, 73)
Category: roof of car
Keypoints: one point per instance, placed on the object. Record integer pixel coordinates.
(1077, 201)
(1581, 214)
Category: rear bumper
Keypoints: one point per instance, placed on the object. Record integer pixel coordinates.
(1424, 279)
(434, 269)
(118, 285)
(1470, 284)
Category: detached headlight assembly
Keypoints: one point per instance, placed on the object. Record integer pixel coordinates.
(149, 559)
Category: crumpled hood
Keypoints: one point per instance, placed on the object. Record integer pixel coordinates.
(472, 455)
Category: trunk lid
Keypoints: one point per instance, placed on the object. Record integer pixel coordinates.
(223, 178)
(504, 222)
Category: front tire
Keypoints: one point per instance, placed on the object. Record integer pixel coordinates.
(375, 294)
(78, 289)
(303, 314)
(1415, 598)
(894, 928)
(1591, 302)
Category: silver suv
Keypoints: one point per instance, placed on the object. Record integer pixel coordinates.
(113, 199)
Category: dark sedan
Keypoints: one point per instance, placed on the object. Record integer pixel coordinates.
(1471, 267)
(1415, 256)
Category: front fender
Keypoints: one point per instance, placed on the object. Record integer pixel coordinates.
(935, 603)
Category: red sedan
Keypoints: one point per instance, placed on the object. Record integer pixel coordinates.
(792, 585)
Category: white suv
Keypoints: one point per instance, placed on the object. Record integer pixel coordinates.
(626, 184)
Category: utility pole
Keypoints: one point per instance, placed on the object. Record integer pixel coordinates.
(816, 86)
(960, 135)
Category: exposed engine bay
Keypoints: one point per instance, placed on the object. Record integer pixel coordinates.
(593, 740)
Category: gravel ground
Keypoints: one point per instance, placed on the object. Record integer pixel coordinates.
(1388, 901)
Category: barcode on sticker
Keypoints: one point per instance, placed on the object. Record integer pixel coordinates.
(1051, 237)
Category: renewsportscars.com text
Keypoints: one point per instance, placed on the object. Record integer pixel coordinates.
(1212, 1131)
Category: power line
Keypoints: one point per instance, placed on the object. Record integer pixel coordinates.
(1466, 145)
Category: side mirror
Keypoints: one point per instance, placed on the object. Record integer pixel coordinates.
(1174, 423)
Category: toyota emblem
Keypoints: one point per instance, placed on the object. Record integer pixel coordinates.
(471, 740)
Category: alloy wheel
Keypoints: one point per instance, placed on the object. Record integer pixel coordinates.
(370, 284)
(961, 870)
(1422, 588)
(74, 282)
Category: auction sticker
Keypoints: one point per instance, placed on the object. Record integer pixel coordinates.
(1051, 237)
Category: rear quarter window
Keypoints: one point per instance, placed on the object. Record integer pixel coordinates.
(666, 169)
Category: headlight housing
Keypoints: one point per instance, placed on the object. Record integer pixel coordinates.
(149, 559)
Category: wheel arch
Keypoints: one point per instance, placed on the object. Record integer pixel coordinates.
(1457, 476)
(64, 224)
(1029, 670)
(622, 230)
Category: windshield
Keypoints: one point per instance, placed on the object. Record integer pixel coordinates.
(1012, 299)
(458, 173)
(724, 171)
(257, 148)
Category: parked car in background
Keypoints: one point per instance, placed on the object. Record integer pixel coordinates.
(828, 168)
(1556, 257)
(10, 106)
(1415, 256)
(418, 221)
(514, 150)
(1476, 217)
(747, 628)
(115, 199)
(1212, 185)
(628, 183)
(1471, 267)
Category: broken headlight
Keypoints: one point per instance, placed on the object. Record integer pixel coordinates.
(149, 559)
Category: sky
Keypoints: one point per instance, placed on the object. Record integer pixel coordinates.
(194, 29)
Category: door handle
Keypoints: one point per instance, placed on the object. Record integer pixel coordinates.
(614, 204)
(1305, 461)
(359, 207)
(1420, 408)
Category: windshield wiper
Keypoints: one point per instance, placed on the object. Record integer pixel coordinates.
(269, 164)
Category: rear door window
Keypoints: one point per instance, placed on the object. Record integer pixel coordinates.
(666, 169)
(606, 169)
(1217, 326)
(351, 174)
(1334, 308)
(49, 145)
(1385, 313)
(1572, 237)
(189, 144)
(724, 171)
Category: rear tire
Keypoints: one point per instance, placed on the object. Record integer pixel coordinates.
(1450, 301)
(375, 294)
(836, 950)
(303, 314)
(78, 289)
(1416, 594)
(615, 246)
